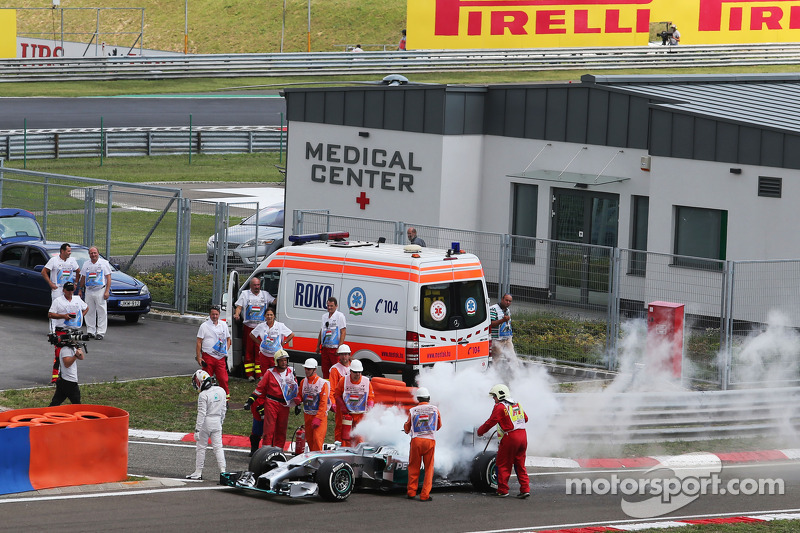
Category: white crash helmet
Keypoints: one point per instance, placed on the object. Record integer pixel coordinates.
(356, 366)
(422, 392)
(501, 392)
(343, 349)
(310, 363)
(201, 380)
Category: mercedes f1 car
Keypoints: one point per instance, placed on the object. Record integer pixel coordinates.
(335, 472)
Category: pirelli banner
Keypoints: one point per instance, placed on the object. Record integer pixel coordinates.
(488, 24)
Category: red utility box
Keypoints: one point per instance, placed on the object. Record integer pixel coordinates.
(665, 337)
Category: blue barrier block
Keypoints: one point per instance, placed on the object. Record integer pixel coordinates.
(15, 458)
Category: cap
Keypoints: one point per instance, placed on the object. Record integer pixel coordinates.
(69, 286)
(310, 363)
(356, 366)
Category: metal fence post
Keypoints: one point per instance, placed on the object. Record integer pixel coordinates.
(88, 215)
(44, 214)
(297, 222)
(399, 232)
(726, 331)
(504, 272)
(613, 319)
(220, 252)
(184, 225)
(2, 178)
(108, 220)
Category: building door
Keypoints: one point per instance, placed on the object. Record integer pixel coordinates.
(585, 224)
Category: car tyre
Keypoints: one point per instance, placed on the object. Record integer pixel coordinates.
(335, 480)
(132, 319)
(483, 472)
(265, 459)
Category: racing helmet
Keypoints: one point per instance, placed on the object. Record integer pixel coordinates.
(310, 363)
(201, 380)
(501, 392)
(422, 392)
(343, 349)
(280, 354)
(356, 366)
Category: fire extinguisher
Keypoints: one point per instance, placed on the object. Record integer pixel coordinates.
(300, 440)
(347, 426)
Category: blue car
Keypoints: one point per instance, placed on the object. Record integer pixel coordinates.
(21, 281)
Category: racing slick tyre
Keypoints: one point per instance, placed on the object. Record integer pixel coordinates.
(335, 480)
(264, 460)
(483, 473)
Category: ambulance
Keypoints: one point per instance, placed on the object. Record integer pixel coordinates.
(406, 307)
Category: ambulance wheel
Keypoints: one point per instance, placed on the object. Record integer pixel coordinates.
(265, 459)
(335, 480)
(371, 369)
(483, 474)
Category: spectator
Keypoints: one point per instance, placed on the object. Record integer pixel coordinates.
(254, 303)
(357, 48)
(96, 283)
(211, 349)
(412, 236)
(66, 311)
(402, 46)
(331, 336)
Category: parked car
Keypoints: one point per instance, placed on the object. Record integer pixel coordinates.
(19, 225)
(21, 281)
(242, 247)
(333, 473)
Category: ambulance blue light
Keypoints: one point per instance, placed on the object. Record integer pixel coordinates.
(310, 237)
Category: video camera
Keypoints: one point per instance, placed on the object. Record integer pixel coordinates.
(665, 35)
(72, 337)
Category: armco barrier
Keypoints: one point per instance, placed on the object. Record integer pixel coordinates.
(62, 446)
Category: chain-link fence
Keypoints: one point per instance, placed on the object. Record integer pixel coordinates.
(573, 300)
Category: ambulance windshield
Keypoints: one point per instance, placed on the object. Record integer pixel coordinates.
(448, 306)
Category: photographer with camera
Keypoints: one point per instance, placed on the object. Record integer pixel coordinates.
(66, 314)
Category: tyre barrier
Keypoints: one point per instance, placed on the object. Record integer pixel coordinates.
(62, 446)
(393, 392)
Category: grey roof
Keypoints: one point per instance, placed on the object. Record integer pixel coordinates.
(762, 100)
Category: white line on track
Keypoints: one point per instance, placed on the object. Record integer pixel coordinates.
(107, 494)
(611, 523)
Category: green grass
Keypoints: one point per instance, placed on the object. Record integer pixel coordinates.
(164, 404)
(258, 167)
(224, 26)
(775, 526)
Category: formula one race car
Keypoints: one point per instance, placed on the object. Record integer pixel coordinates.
(335, 472)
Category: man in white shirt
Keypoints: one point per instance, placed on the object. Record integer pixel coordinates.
(96, 283)
(211, 349)
(66, 311)
(331, 336)
(61, 269)
(251, 307)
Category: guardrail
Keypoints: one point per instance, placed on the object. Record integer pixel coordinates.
(116, 142)
(677, 416)
(381, 63)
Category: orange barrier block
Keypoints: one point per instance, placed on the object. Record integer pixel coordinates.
(74, 444)
(393, 392)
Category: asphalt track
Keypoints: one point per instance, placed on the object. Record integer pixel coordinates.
(150, 112)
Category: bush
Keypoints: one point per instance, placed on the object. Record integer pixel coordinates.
(564, 339)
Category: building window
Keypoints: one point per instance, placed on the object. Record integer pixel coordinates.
(637, 264)
(700, 233)
(523, 225)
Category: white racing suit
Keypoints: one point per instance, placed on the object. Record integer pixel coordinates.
(211, 407)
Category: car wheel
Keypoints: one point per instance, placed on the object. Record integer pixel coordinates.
(371, 369)
(265, 459)
(335, 480)
(132, 319)
(483, 473)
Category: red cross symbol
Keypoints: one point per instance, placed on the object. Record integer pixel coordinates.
(362, 200)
